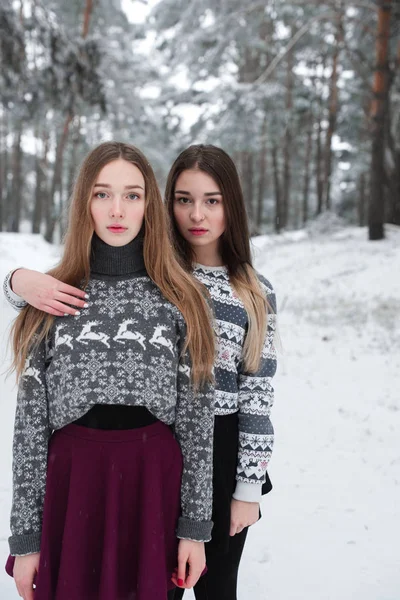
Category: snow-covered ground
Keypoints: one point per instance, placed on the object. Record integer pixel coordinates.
(331, 526)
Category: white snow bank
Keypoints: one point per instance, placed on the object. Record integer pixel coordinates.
(331, 526)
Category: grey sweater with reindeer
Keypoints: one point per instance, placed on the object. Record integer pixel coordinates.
(125, 348)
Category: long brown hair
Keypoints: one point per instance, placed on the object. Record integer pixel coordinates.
(179, 287)
(234, 243)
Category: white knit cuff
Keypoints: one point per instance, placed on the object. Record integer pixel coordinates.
(248, 492)
(16, 301)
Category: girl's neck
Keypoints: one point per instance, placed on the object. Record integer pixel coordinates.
(209, 257)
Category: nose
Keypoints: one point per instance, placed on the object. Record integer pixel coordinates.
(196, 214)
(117, 208)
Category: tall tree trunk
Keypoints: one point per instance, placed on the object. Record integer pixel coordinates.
(392, 151)
(287, 147)
(2, 192)
(248, 174)
(333, 109)
(319, 175)
(41, 190)
(6, 184)
(3, 171)
(380, 89)
(86, 18)
(277, 187)
(14, 216)
(307, 168)
(361, 200)
(262, 175)
(51, 216)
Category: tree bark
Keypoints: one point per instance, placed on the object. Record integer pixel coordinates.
(51, 216)
(277, 187)
(248, 174)
(86, 18)
(41, 187)
(3, 171)
(361, 200)
(14, 215)
(376, 209)
(307, 168)
(262, 174)
(319, 175)
(333, 110)
(287, 148)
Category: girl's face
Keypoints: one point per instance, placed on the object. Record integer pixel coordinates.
(199, 211)
(117, 203)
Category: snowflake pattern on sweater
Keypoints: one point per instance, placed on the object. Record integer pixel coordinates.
(112, 353)
(249, 393)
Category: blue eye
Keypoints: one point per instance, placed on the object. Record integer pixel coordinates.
(101, 195)
(133, 196)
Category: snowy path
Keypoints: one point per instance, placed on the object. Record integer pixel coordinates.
(331, 527)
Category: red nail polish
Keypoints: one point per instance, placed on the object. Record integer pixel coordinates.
(180, 582)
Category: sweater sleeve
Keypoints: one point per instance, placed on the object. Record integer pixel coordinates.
(194, 430)
(12, 298)
(31, 436)
(256, 433)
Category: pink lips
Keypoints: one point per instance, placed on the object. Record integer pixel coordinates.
(117, 228)
(198, 231)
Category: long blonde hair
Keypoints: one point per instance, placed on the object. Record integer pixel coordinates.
(234, 245)
(179, 287)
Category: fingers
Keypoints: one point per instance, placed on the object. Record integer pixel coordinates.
(59, 309)
(64, 308)
(193, 577)
(73, 291)
(25, 589)
(174, 577)
(51, 311)
(232, 529)
(236, 527)
(68, 299)
(182, 563)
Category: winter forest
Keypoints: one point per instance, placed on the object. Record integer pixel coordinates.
(305, 95)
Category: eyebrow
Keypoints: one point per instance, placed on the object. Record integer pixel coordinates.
(207, 194)
(127, 187)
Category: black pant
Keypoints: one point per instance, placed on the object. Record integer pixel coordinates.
(220, 581)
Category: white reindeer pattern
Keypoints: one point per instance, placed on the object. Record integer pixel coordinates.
(125, 334)
(87, 334)
(31, 371)
(158, 340)
(185, 369)
(62, 339)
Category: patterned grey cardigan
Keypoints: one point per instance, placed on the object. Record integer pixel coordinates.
(124, 349)
(251, 394)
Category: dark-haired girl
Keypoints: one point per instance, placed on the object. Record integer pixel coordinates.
(205, 202)
(206, 205)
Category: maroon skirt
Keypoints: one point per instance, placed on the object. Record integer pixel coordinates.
(110, 513)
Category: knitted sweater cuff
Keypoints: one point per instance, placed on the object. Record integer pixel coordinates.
(24, 544)
(248, 492)
(198, 531)
(16, 301)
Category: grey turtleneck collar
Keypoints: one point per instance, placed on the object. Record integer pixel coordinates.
(117, 260)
